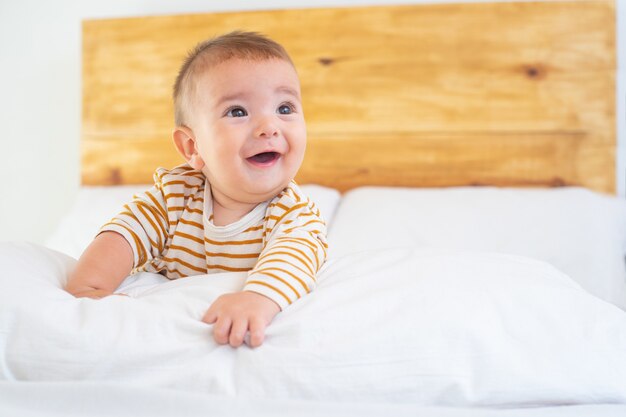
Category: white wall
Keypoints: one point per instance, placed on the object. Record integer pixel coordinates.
(40, 104)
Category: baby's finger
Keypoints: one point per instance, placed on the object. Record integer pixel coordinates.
(221, 330)
(210, 316)
(257, 332)
(237, 332)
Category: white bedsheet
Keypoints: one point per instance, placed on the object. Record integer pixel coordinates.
(106, 399)
(396, 326)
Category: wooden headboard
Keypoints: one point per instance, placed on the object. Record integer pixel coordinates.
(507, 94)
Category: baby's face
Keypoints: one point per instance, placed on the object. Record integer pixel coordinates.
(249, 127)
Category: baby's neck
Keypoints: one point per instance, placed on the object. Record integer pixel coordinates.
(225, 214)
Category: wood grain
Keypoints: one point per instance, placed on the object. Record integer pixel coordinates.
(424, 95)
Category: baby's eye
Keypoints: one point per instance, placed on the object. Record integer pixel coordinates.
(286, 109)
(236, 112)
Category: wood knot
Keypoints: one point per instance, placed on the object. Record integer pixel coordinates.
(326, 61)
(115, 176)
(557, 182)
(534, 72)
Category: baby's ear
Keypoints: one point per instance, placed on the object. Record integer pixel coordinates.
(185, 142)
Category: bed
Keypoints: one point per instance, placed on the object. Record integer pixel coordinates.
(463, 156)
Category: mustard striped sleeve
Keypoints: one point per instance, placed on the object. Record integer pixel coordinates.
(294, 252)
(143, 223)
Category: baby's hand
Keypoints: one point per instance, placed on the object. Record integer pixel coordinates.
(96, 294)
(90, 293)
(235, 314)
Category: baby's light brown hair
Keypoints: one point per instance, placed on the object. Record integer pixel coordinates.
(238, 44)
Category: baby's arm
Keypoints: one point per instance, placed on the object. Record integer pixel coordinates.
(131, 239)
(285, 271)
(102, 267)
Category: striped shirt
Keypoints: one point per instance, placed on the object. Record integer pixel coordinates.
(281, 243)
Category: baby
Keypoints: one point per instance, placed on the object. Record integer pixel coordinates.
(234, 205)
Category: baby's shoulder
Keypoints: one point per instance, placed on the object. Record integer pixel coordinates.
(182, 177)
(293, 199)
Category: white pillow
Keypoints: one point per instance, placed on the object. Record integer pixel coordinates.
(578, 231)
(94, 206)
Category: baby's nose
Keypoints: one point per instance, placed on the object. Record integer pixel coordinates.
(266, 128)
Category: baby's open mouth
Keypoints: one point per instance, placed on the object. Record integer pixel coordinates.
(264, 157)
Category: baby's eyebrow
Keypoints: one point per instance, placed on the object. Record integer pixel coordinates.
(242, 95)
(289, 90)
(232, 97)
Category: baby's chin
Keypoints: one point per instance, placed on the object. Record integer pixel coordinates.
(263, 192)
(251, 188)
(258, 190)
